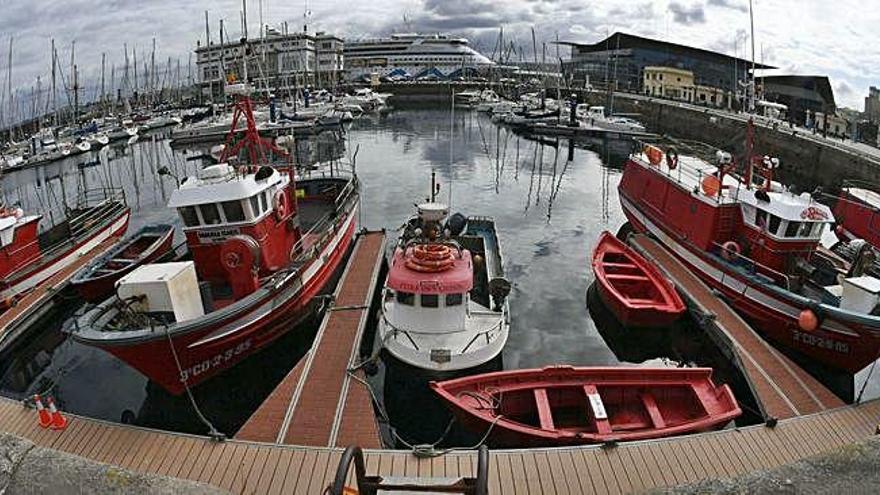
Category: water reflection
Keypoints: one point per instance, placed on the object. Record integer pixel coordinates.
(550, 199)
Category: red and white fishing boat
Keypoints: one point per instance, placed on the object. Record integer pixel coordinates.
(857, 212)
(757, 243)
(96, 282)
(445, 308)
(28, 257)
(633, 288)
(564, 405)
(263, 243)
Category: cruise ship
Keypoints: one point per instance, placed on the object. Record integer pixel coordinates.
(411, 55)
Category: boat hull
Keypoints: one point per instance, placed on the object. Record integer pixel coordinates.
(563, 405)
(215, 346)
(845, 345)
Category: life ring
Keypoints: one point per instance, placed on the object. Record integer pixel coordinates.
(730, 250)
(428, 258)
(281, 205)
(671, 158)
(432, 252)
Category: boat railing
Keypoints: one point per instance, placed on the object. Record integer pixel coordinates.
(485, 333)
(395, 331)
(96, 196)
(776, 277)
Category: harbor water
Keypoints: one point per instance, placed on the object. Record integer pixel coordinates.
(550, 199)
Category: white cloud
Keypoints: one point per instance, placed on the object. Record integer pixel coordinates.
(834, 38)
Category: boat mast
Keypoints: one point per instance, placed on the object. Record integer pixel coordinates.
(753, 87)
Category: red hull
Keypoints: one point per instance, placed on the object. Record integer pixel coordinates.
(203, 360)
(632, 288)
(562, 405)
(858, 219)
(96, 289)
(685, 225)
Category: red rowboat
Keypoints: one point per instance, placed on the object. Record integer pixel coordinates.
(857, 212)
(96, 281)
(633, 288)
(564, 405)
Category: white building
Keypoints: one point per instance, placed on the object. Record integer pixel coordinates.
(280, 61)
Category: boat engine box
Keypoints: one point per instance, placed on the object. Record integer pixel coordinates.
(165, 288)
(860, 294)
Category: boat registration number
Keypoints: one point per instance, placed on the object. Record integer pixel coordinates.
(598, 407)
(214, 362)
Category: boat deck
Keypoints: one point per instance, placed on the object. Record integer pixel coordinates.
(318, 403)
(11, 319)
(781, 388)
(249, 467)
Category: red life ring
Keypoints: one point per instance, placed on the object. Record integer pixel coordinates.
(281, 205)
(671, 158)
(430, 258)
(730, 250)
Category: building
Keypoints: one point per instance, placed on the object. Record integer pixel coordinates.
(678, 84)
(872, 105)
(621, 58)
(801, 94)
(412, 56)
(277, 60)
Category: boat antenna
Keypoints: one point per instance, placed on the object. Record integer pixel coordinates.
(451, 147)
(754, 88)
(433, 185)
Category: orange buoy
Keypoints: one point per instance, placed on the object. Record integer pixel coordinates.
(808, 320)
(710, 185)
(654, 154)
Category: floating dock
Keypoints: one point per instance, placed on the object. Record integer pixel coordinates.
(781, 388)
(35, 303)
(319, 403)
(250, 467)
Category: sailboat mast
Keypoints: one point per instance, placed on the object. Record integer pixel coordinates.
(754, 87)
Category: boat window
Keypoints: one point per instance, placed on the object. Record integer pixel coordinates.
(454, 299)
(406, 298)
(189, 216)
(430, 300)
(792, 229)
(255, 205)
(806, 228)
(233, 211)
(263, 204)
(210, 214)
(761, 218)
(389, 295)
(817, 229)
(774, 224)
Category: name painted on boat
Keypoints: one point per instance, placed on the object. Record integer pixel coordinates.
(218, 236)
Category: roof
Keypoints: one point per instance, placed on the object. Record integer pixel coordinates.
(456, 280)
(228, 186)
(820, 84)
(629, 41)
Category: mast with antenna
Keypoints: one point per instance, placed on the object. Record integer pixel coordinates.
(753, 86)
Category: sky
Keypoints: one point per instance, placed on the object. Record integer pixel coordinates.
(837, 38)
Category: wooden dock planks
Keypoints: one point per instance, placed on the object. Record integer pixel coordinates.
(249, 467)
(318, 403)
(782, 388)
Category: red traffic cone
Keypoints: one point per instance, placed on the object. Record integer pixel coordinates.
(45, 416)
(59, 422)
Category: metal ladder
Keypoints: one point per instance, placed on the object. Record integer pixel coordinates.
(374, 484)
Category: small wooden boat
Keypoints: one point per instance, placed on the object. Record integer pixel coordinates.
(633, 288)
(564, 405)
(97, 281)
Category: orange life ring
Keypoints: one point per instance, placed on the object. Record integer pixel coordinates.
(433, 252)
(654, 154)
(281, 205)
(430, 258)
(730, 250)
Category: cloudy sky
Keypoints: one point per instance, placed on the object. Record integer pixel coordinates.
(837, 38)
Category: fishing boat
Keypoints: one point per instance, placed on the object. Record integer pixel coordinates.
(29, 256)
(263, 242)
(633, 288)
(95, 282)
(857, 212)
(565, 405)
(757, 243)
(444, 307)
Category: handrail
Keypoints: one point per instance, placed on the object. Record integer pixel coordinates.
(396, 330)
(496, 326)
(775, 275)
